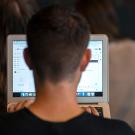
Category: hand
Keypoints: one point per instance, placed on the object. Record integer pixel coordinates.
(13, 107)
(91, 110)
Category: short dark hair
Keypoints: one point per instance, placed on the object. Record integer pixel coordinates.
(57, 39)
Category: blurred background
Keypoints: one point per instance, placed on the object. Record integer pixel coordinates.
(116, 18)
(125, 10)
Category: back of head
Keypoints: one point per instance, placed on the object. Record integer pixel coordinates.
(57, 39)
(101, 16)
(14, 15)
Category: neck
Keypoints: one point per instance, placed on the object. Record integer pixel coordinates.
(56, 102)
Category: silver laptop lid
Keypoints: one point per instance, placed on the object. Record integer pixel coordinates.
(93, 86)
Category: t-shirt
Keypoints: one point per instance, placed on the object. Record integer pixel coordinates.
(25, 122)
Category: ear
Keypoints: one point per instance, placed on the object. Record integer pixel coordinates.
(27, 58)
(85, 60)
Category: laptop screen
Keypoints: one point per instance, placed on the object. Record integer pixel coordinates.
(90, 84)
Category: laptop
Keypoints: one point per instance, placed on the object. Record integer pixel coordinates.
(93, 86)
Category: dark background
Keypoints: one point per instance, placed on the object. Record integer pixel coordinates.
(125, 10)
(126, 17)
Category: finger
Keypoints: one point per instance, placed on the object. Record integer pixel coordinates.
(20, 105)
(11, 107)
(88, 109)
(94, 111)
(28, 103)
(25, 103)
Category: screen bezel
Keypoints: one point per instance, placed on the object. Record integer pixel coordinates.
(104, 98)
(105, 73)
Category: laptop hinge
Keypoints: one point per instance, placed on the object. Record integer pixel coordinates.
(88, 103)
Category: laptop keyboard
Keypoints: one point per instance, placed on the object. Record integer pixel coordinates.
(100, 111)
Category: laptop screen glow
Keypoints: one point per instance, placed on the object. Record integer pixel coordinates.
(90, 84)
